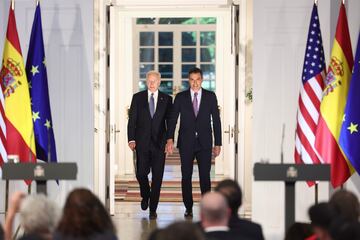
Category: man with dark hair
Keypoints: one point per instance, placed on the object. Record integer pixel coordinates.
(232, 192)
(199, 118)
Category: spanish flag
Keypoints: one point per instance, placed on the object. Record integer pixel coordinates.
(332, 106)
(19, 125)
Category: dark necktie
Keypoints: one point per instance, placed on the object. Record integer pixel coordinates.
(152, 105)
(195, 104)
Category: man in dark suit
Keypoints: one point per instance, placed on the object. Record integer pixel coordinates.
(232, 192)
(198, 108)
(147, 129)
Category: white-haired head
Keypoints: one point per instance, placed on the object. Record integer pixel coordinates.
(39, 214)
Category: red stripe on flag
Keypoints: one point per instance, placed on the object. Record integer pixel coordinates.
(328, 148)
(299, 161)
(18, 146)
(306, 144)
(11, 33)
(312, 95)
(342, 36)
(320, 79)
(306, 115)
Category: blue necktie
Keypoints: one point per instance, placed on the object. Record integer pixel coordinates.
(152, 105)
(195, 104)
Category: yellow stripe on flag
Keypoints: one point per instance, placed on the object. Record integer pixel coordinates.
(17, 101)
(334, 100)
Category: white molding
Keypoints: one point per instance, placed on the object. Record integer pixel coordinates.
(157, 3)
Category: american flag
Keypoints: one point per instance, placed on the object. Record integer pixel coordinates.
(313, 76)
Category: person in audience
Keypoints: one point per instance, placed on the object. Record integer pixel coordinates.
(215, 215)
(342, 229)
(232, 192)
(84, 217)
(178, 231)
(1, 232)
(38, 216)
(299, 231)
(321, 216)
(346, 204)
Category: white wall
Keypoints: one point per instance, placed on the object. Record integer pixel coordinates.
(68, 37)
(280, 33)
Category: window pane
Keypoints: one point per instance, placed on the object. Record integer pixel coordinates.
(208, 71)
(207, 38)
(207, 55)
(142, 85)
(177, 21)
(207, 20)
(166, 70)
(188, 54)
(184, 85)
(145, 20)
(185, 69)
(146, 55)
(147, 38)
(188, 38)
(166, 87)
(209, 85)
(144, 68)
(165, 54)
(165, 38)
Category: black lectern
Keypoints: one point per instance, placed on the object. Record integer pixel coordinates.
(40, 172)
(290, 174)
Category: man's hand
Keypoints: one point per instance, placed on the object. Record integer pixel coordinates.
(216, 150)
(132, 145)
(169, 146)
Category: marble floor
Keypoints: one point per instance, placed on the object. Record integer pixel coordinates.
(133, 224)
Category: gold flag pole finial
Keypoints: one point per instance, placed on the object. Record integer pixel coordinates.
(12, 4)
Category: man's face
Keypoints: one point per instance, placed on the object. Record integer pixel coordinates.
(153, 82)
(195, 81)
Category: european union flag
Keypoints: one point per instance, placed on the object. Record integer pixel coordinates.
(350, 130)
(39, 93)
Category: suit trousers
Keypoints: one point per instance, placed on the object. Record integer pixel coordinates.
(154, 160)
(203, 158)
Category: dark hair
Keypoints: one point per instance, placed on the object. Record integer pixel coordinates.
(84, 215)
(322, 214)
(195, 70)
(178, 231)
(342, 229)
(1, 233)
(299, 231)
(232, 192)
(346, 204)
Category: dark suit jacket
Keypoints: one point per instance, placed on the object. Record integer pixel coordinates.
(245, 228)
(141, 127)
(224, 235)
(189, 124)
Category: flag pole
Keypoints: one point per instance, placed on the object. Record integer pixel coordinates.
(37, 2)
(316, 193)
(316, 2)
(12, 4)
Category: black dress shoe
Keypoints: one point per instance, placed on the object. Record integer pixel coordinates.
(152, 215)
(144, 203)
(188, 213)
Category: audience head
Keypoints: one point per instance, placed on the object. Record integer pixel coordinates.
(346, 204)
(232, 192)
(39, 215)
(178, 231)
(84, 215)
(321, 216)
(299, 231)
(214, 210)
(1, 233)
(342, 229)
